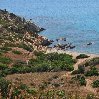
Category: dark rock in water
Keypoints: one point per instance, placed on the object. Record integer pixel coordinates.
(90, 43)
(71, 47)
(46, 42)
(65, 46)
(42, 29)
(51, 40)
(57, 40)
(64, 39)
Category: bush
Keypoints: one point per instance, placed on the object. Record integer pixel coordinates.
(5, 49)
(3, 66)
(23, 86)
(90, 96)
(92, 72)
(91, 62)
(43, 63)
(16, 52)
(32, 91)
(52, 62)
(80, 79)
(16, 92)
(21, 69)
(95, 84)
(26, 47)
(81, 70)
(61, 93)
(5, 72)
(5, 60)
(82, 56)
(4, 88)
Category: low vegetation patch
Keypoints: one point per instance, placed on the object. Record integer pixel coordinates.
(80, 79)
(82, 56)
(3, 66)
(81, 70)
(5, 49)
(95, 84)
(16, 52)
(92, 72)
(53, 62)
(26, 47)
(5, 60)
(43, 63)
(91, 62)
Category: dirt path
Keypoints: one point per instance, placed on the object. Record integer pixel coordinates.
(83, 60)
(78, 62)
(88, 85)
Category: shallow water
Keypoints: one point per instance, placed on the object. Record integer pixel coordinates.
(77, 20)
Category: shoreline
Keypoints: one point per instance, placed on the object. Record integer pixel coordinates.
(73, 53)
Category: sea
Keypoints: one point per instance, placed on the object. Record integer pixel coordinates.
(76, 20)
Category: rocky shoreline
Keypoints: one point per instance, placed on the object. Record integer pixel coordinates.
(17, 29)
(27, 32)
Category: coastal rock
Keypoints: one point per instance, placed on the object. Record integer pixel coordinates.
(46, 42)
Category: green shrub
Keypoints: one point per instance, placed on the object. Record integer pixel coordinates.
(21, 69)
(1, 53)
(52, 62)
(61, 93)
(51, 94)
(32, 91)
(5, 72)
(80, 79)
(16, 92)
(3, 66)
(95, 84)
(16, 52)
(91, 62)
(81, 69)
(90, 96)
(5, 49)
(4, 88)
(23, 86)
(82, 56)
(26, 47)
(43, 63)
(5, 60)
(92, 72)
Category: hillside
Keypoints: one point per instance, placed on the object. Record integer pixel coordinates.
(28, 71)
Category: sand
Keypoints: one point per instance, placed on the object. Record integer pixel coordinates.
(74, 54)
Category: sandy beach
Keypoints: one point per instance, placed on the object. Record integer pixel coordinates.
(74, 54)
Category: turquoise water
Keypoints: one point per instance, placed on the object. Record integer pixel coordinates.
(77, 20)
